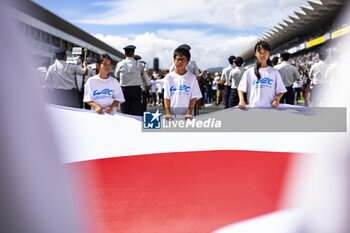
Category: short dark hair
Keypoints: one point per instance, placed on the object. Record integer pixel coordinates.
(129, 52)
(182, 52)
(285, 56)
(103, 56)
(60, 56)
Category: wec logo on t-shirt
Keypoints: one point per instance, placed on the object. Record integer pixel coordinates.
(265, 82)
(103, 92)
(180, 90)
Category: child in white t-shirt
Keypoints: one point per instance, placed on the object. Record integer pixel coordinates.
(181, 89)
(262, 82)
(102, 92)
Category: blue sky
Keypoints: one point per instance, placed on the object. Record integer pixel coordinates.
(215, 29)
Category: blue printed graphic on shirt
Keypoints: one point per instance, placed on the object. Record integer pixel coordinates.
(265, 82)
(105, 93)
(180, 90)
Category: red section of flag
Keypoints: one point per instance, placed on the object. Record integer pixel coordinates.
(179, 192)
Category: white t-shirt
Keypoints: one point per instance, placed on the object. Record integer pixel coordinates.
(103, 92)
(145, 82)
(262, 93)
(317, 73)
(235, 76)
(159, 85)
(180, 89)
(225, 75)
(153, 86)
(215, 83)
(289, 73)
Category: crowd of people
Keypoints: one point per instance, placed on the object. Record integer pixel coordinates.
(183, 88)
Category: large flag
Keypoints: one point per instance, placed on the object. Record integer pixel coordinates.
(123, 179)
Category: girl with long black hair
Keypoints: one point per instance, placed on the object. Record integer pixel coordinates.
(262, 82)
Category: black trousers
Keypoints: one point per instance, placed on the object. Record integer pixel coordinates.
(227, 93)
(132, 104)
(288, 97)
(234, 98)
(144, 102)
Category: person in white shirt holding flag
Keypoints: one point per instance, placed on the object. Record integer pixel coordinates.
(102, 92)
(181, 89)
(262, 82)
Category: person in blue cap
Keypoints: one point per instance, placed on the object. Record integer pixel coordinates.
(60, 79)
(226, 81)
(128, 71)
(289, 74)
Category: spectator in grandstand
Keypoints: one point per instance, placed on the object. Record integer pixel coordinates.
(181, 89)
(226, 80)
(289, 74)
(262, 82)
(128, 71)
(60, 79)
(102, 92)
(235, 77)
(317, 76)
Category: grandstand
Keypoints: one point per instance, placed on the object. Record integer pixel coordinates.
(313, 25)
(46, 32)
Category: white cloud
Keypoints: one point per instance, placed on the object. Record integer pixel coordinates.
(208, 50)
(246, 15)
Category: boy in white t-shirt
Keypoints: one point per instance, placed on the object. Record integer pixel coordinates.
(102, 92)
(181, 89)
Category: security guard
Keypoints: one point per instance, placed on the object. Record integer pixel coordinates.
(226, 80)
(60, 79)
(128, 72)
(289, 74)
(235, 77)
